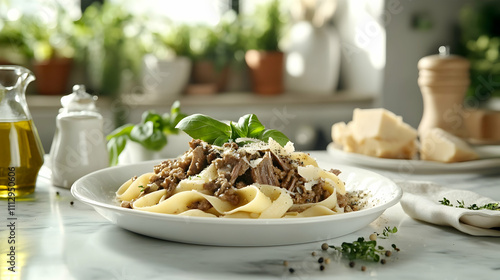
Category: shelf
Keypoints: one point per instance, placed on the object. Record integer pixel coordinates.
(222, 99)
(251, 99)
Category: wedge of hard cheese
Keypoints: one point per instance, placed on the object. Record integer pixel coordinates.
(381, 124)
(439, 145)
(378, 133)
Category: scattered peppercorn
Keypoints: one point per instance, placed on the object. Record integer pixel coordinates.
(321, 267)
(291, 270)
(352, 264)
(285, 263)
(321, 260)
(363, 268)
(324, 246)
(71, 203)
(327, 260)
(395, 248)
(382, 261)
(373, 237)
(388, 253)
(313, 253)
(57, 193)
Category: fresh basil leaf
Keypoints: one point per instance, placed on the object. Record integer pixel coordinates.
(122, 130)
(176, 107)
(255, 127)
(141, 132)
(204, 128)
(276, 135)
(148, 136)
(243, 125)
(116, 145)
(156, 119)
(236, 131)
(156, 141)
(219, 141)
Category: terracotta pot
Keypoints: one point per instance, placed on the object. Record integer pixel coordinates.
(52, 76)
(266, 71)
(204, 72)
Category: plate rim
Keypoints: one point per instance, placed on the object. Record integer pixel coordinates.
(418, 165)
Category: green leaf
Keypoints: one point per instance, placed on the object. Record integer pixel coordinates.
(205, 128)
(156, 119)
(122, 130)
(219, 141)
(156, 141)
(276, 135)
(141, 132)
(236, 131)
(243, 124)
(150, 137)
(176, 107)
(255, 127)
(172, 119)
(115, 147)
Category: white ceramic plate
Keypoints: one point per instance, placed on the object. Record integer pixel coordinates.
(98, 190)
(418, 166)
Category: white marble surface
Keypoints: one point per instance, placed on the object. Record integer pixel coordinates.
(57, 240)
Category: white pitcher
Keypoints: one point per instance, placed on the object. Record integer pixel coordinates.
(79, 146)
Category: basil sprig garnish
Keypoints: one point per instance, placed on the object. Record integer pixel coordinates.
(151, 132)
(215, 132)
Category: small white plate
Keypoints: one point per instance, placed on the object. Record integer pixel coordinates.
(98, 190)
(415, 165)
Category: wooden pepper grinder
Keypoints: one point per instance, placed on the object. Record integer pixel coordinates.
(443, 81)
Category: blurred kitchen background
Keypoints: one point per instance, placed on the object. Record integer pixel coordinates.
(338, 55)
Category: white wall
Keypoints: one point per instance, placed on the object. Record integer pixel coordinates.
(406, 45)
(381, 48)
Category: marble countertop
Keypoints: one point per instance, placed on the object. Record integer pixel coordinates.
(58, 237)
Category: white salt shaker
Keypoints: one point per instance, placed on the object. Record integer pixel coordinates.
(79, 146)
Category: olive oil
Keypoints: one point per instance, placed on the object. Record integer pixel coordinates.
(21, 156)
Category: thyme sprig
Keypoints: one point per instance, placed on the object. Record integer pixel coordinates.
(362, 249)
(387, 231)
(489, 206)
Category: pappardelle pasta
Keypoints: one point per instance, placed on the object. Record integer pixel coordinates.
(252, 180)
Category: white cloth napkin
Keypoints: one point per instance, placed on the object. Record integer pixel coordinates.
(421, 201)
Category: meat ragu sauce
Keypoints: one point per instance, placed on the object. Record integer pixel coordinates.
(234, 170)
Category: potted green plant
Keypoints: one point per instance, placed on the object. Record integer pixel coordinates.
(13, 48)
(210, 62)
(264, 57)
(216, 49)
(107, 40)
(148, 139)
(51, 49)
(166, 67)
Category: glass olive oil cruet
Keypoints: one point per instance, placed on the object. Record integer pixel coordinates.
(21, 152)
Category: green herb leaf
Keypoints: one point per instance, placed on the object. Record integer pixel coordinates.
(150, 116)
(276, 135)
(362, 249)
(115, 147)
(172, 119)
(215, 132)
(205, 128)
(255, 127)
(148, 136)
(489, 206)
(236, 132)
(122, 130)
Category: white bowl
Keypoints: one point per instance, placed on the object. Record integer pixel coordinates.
(98, 190)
